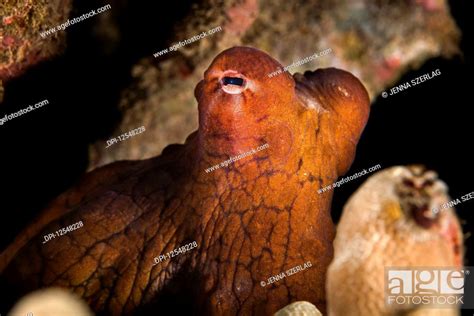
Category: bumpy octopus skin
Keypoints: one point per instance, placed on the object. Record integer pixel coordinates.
(389, 222)
(251, 220)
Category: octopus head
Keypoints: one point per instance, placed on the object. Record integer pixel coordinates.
(239, 91)
(247, 99)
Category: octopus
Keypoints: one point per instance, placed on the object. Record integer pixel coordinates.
(188, 232)
(392, 220)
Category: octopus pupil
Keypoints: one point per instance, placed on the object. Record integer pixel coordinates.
(233, 80)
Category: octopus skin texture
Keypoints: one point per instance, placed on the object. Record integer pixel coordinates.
(252, 219)
(389, 222)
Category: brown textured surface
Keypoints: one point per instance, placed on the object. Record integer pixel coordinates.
(21, 45)
(381, 227)
(254, 219)
(21, 22)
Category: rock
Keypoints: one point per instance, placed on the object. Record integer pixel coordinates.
(22, 22)
(299, 309)
(50, 302)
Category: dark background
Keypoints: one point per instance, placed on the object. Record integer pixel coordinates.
(45, 152)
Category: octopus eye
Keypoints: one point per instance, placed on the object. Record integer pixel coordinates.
(233, 83)
(233, 80)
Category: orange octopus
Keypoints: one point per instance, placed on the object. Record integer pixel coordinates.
(251, 218)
